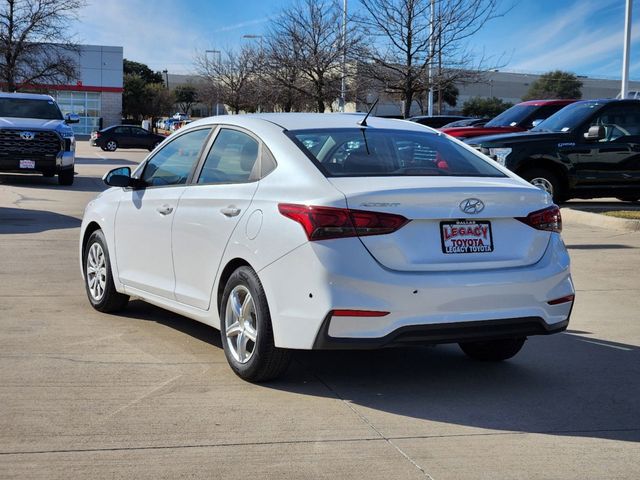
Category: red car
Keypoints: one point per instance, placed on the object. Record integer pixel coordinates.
(518, 118)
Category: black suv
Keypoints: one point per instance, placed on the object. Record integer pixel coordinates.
(588, 149)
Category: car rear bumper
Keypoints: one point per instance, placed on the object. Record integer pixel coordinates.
(438, 333)
(306, 285)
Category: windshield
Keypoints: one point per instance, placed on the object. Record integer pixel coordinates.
(365, 152)
(512, 117)
(29, 108)
(569, 118)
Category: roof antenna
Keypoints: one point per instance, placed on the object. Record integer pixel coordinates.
(363, 122)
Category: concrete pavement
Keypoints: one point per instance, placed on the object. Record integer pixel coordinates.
(148, 394)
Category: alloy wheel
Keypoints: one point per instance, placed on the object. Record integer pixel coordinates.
(543, 184)
(96, 271)
(240, 324)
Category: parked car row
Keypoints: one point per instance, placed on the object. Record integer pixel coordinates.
(173, 123)
(569, 148)
(588, 149)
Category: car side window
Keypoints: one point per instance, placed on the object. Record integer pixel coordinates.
(232, 159)
(139, 131)
(173, 163)
(618, 122)
(122, 130)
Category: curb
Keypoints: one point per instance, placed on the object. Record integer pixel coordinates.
(599, 220)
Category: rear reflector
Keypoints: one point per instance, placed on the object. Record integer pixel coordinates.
(321, 223)
(358, 313)
(547, 219)
(565, 299)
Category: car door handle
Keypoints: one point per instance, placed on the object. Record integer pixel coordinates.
(165, 209)
(230, 211)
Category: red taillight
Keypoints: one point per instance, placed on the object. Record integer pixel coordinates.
(358, 313)
(565, 299)
(321, 223)
(548, 219)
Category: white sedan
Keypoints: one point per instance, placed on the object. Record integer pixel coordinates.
(324, 231)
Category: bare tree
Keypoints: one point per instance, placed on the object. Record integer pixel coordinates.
(27, 30)
(407, 44)
(305, 47)
(234, 75)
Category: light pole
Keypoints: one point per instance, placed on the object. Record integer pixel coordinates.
(219, 53)
(432, 48)
(625, 51)
(259, 37)
(344, 57)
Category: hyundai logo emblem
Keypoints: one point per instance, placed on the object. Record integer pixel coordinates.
(27, 135)
(471, 206)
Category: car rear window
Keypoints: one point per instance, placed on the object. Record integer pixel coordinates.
(363, 152)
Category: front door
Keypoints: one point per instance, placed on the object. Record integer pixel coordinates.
(145, 216)
(613, 161)
(209, 212)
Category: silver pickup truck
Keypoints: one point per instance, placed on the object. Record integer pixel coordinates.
(35, 137)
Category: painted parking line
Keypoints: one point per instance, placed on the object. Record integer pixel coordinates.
(606, 345)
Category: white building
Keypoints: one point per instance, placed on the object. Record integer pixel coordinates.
(97, 95)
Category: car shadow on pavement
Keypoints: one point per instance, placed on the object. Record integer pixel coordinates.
(80, 183)
(568, 384)
(22, 220)
(139, 310)
(565, 384)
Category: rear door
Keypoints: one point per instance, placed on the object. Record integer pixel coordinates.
(210, 210)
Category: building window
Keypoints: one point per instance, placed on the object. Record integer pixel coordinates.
(84, 104)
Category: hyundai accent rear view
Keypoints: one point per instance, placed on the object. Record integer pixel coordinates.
(329, 231)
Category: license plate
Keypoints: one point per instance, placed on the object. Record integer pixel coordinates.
(466, 236)
(28, 164)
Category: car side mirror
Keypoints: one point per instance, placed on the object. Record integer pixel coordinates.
(121, 177)
(595, 132)
(71, 118)
(537, 122)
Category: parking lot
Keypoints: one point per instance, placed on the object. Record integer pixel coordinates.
(149, 394)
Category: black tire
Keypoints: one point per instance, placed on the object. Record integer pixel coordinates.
(65, 177)
(153, 147)
(493, 350)
(266, 361)
(110, 300)
(540, 176)
(104, 149)
(48, 174)
(111, 145)
(628, 199)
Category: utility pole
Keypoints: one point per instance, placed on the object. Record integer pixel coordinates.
(625, 51)
(259, 37)
(440, 59)
(344, 57)
(431, 52)
(217, 87)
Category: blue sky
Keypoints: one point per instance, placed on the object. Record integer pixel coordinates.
(582, 36)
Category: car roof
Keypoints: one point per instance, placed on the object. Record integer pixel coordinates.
(556, 101)
(27, 96)
(312, 121)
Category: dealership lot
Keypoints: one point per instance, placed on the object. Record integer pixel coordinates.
(148, 394)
